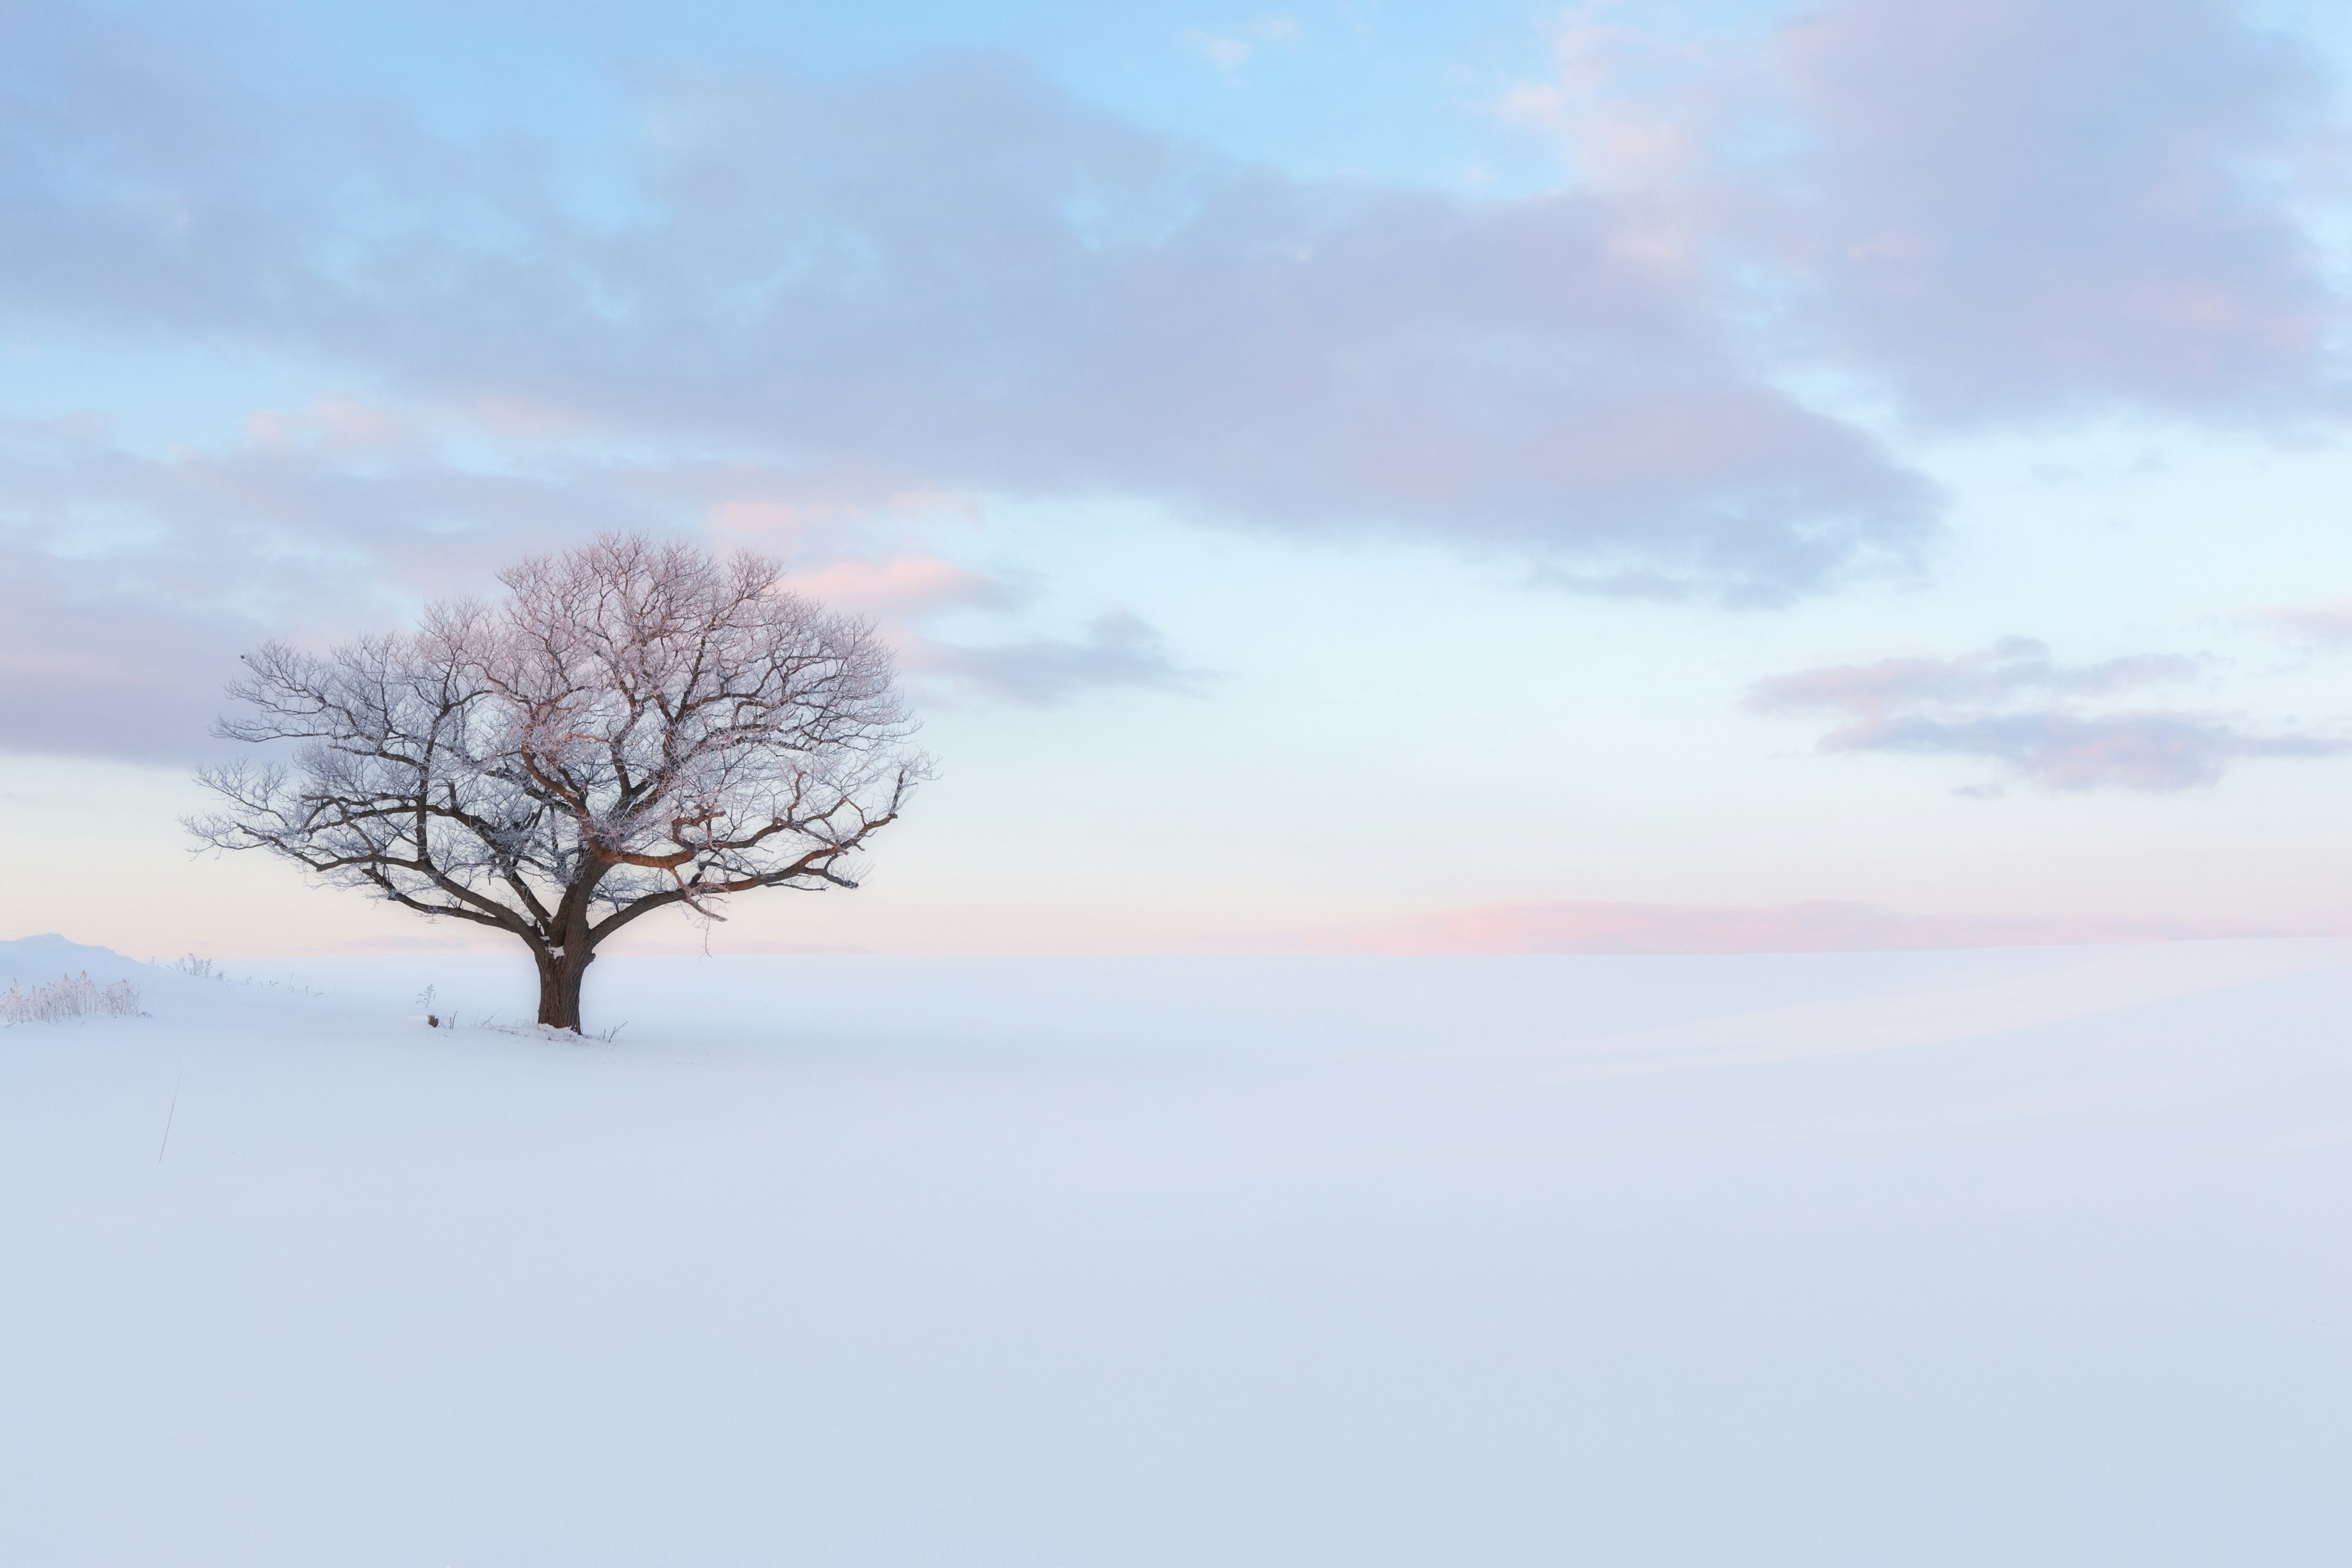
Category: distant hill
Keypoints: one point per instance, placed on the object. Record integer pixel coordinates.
(32, 959)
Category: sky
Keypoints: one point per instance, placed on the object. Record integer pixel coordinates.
(1353, 478)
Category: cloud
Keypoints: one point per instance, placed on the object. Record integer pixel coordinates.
(1815, 927)
(1988, 211)
(1118, 650)
(2009, 668)
(1229, 54)
(900, 588)
(90, 665)
(955, 278)
(2152, 752)
(778, 305)
(1225, 54)
(1965, 707)
(2017, 204)
(129, 583)
(2314, 623)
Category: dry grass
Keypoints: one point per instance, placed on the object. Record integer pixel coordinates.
(70, 996)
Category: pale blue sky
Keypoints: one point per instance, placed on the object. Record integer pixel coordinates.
(1331, 471)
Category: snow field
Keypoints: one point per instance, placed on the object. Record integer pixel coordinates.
(2008, 1257)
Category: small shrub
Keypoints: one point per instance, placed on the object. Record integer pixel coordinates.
(70, 996)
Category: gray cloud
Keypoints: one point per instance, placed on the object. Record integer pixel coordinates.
(2008, 668)
(2314, 623)
(2011, 206)
(128, 584)
(959, 277)
(1119, 651)
(92, 666)
(813, 293)
(2154, 752)
(1967, 707)
(132, 581)
(1999, 211)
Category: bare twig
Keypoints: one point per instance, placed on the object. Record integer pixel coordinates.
(170, 1115)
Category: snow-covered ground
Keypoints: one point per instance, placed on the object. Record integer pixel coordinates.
(1990, 1258)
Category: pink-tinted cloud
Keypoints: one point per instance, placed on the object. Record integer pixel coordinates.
(1117, 651)
(1964, 706)
(1990, 210)
(899, 588)
(90, 668)
(1815, 927)
(128, 584)
(790, 299)
(2011, 203)
(958, 278)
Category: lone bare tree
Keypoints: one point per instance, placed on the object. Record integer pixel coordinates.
(634, 726)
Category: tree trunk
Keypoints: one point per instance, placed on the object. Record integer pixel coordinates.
(560, 974)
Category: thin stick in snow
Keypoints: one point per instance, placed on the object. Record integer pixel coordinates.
(166, 1143)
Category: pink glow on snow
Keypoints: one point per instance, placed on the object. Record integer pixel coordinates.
(1820, 926)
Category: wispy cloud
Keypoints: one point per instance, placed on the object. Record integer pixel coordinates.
(2154, 752)
(1227, 54)
(1236, 48)
(2013, 704)
(2327, 624)
(1118, 651)
(2009, 668)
